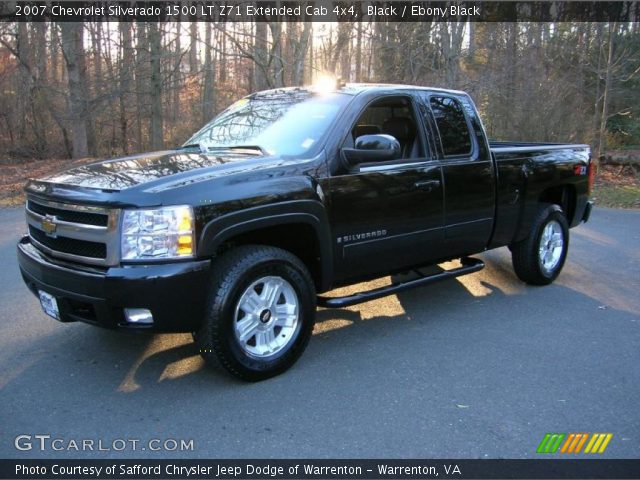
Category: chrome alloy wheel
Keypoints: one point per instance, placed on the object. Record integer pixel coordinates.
(266, 317)
(551, 245)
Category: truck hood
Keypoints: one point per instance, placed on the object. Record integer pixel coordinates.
(148, 169)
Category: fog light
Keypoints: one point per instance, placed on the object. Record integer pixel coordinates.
(141, 316)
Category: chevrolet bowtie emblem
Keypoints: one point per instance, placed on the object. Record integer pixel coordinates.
(49, 225)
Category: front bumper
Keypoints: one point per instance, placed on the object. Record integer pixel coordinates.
(175, 293)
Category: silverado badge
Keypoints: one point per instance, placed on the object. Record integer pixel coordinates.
(49, 225)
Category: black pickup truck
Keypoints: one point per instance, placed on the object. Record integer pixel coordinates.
(285, 195)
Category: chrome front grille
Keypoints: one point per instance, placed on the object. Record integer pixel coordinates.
(70, 246)
(98, 219)
(77, 233)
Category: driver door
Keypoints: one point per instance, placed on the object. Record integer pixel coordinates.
(388, 216)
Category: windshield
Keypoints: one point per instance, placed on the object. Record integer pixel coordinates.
(282, 122)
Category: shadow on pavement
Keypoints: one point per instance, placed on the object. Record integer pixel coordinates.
(125, 363)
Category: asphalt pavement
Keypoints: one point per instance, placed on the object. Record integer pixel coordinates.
(478, 367)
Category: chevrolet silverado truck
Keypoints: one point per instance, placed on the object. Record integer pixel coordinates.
(238, 235)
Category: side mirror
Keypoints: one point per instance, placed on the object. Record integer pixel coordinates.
(371, 148)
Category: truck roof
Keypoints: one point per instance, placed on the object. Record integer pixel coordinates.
(355, 89)
(361, 87)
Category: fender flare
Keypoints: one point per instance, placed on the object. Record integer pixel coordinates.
(309, 212)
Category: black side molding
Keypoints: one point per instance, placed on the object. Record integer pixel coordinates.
(469, 265)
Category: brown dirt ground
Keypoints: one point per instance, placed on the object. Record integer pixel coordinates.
(15, 173)
(617, 175)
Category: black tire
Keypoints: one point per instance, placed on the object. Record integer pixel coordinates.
(526, 256)
(233, 275)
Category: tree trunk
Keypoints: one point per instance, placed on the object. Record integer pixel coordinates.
(126, 70)
(193, 48)
(359, 53)
(300, 54)
(208, 91)
(342, 42)
(602, 136)
(223, 53)
(345, 62)
(73, 51)
(177, 73)
(96, 39)
(311, 60)
(261, 62)
(276, 54)
(157, 124)
(23, 48)
(472, 40)
(53, 53)
(142, 82)
(597, 109)
(39, 92)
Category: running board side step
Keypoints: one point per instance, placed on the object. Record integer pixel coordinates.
(469, 265)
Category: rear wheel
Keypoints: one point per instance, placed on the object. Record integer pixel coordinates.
(539, 258)
(260, 313)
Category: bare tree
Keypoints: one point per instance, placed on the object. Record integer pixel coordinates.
(126, 75)
(79, 113)
(157, 124)
(299, 47)
(208, 91)
(141, 85)
(261, 57)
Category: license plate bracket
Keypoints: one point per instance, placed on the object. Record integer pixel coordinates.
(49, 304)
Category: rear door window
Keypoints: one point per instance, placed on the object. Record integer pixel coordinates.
(452, 126)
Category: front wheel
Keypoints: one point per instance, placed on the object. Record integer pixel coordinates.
(260, 313)
(539, 258)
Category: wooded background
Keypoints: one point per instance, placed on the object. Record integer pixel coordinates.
(104, 89)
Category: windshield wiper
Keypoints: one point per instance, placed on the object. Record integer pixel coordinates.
(238, 149)
(252, 149)
(199, 146)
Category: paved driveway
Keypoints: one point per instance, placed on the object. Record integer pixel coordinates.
(478, 367)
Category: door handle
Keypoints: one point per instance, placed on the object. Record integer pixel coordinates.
(427, 185)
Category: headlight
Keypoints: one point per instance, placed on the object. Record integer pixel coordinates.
(157, 233)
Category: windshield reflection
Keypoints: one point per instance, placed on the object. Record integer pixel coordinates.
(286, 122)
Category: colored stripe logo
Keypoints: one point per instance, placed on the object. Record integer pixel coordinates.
(574, 442)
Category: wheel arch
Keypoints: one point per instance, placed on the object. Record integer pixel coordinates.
(565, 196)
(300, 227)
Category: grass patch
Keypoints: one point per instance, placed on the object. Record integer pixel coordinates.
(617, 196)
(617, 186)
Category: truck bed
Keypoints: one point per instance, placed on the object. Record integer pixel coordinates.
(525, 171)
